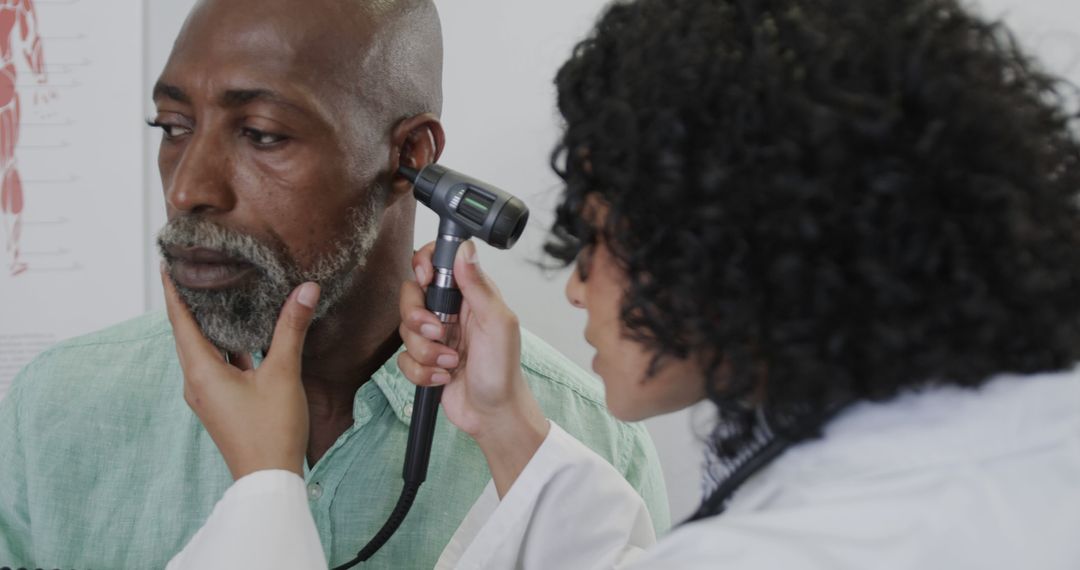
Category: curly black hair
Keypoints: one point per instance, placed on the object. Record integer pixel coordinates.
(826, 201)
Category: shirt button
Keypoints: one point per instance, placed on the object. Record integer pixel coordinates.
(314, 491)
(407, 410)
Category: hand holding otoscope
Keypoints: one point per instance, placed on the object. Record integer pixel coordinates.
(480, 368)
(466, 208)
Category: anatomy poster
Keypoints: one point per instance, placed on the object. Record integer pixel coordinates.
(71, 206)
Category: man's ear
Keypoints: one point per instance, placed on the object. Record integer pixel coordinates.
(417, 142)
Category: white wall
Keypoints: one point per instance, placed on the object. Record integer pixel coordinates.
(1050, 28)
(501, 56)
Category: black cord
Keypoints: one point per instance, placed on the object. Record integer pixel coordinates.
(714, 504)
(417, 453)
(405, 501)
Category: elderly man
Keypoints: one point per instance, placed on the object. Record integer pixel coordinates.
(283, 125)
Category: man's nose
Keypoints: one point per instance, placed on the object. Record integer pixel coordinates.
(200, 181)
(575, 289)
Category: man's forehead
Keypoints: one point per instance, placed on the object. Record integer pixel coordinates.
(292, 19)
(229, 45)
(274, 38)
(386, 52)
(237, 82)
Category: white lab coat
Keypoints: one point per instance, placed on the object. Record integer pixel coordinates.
(263, 521)
(942, 478)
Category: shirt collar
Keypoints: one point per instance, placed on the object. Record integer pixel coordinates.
(395, 387)
(398, 391)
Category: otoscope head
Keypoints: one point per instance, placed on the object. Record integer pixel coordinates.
(479, 209)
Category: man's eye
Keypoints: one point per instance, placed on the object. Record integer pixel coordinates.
(171, 131)
(263, 139)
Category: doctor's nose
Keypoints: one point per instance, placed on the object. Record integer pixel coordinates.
(575, 289)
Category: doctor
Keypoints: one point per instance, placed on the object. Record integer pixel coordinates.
(853, 227)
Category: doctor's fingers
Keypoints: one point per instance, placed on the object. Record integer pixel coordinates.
(198, 357)
(426, 351)
(414, 314)
(421, 263)
(287, 344)
(481, 294)
(419, 374)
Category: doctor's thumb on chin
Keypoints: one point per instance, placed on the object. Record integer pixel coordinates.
(257, 417)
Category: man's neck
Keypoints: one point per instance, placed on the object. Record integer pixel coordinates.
(331, 379)
(344, 349)
(342, 352)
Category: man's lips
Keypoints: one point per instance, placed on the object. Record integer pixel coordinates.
(201, 268)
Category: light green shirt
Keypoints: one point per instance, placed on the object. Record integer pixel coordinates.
(103, 466)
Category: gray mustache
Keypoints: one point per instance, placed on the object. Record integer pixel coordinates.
(202, 233)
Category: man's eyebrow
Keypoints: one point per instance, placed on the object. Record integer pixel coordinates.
(166, 91)
(230, 99)
(241, 97)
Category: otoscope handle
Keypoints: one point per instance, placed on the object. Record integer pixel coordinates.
(443, 296)
(421, 433)
(447, 245)
(443, 300)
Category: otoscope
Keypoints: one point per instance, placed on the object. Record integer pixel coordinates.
(467, 208)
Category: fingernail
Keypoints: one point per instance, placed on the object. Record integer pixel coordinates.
(308, 295)
(440, 378)
(471, 255)
(420, 273)
(434, 332)
(447, 360)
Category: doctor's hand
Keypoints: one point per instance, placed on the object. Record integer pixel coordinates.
(258, 418)
(485, 393)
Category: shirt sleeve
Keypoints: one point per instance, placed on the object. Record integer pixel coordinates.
(640, 465)
(262, 521)
(569, 508)
(14, 510)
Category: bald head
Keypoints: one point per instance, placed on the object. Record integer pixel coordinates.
(406, 53)
(387, 54)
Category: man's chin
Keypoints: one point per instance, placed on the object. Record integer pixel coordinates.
(232, 337)
(234, 320)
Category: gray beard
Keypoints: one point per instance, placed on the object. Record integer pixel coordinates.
(241, 320)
